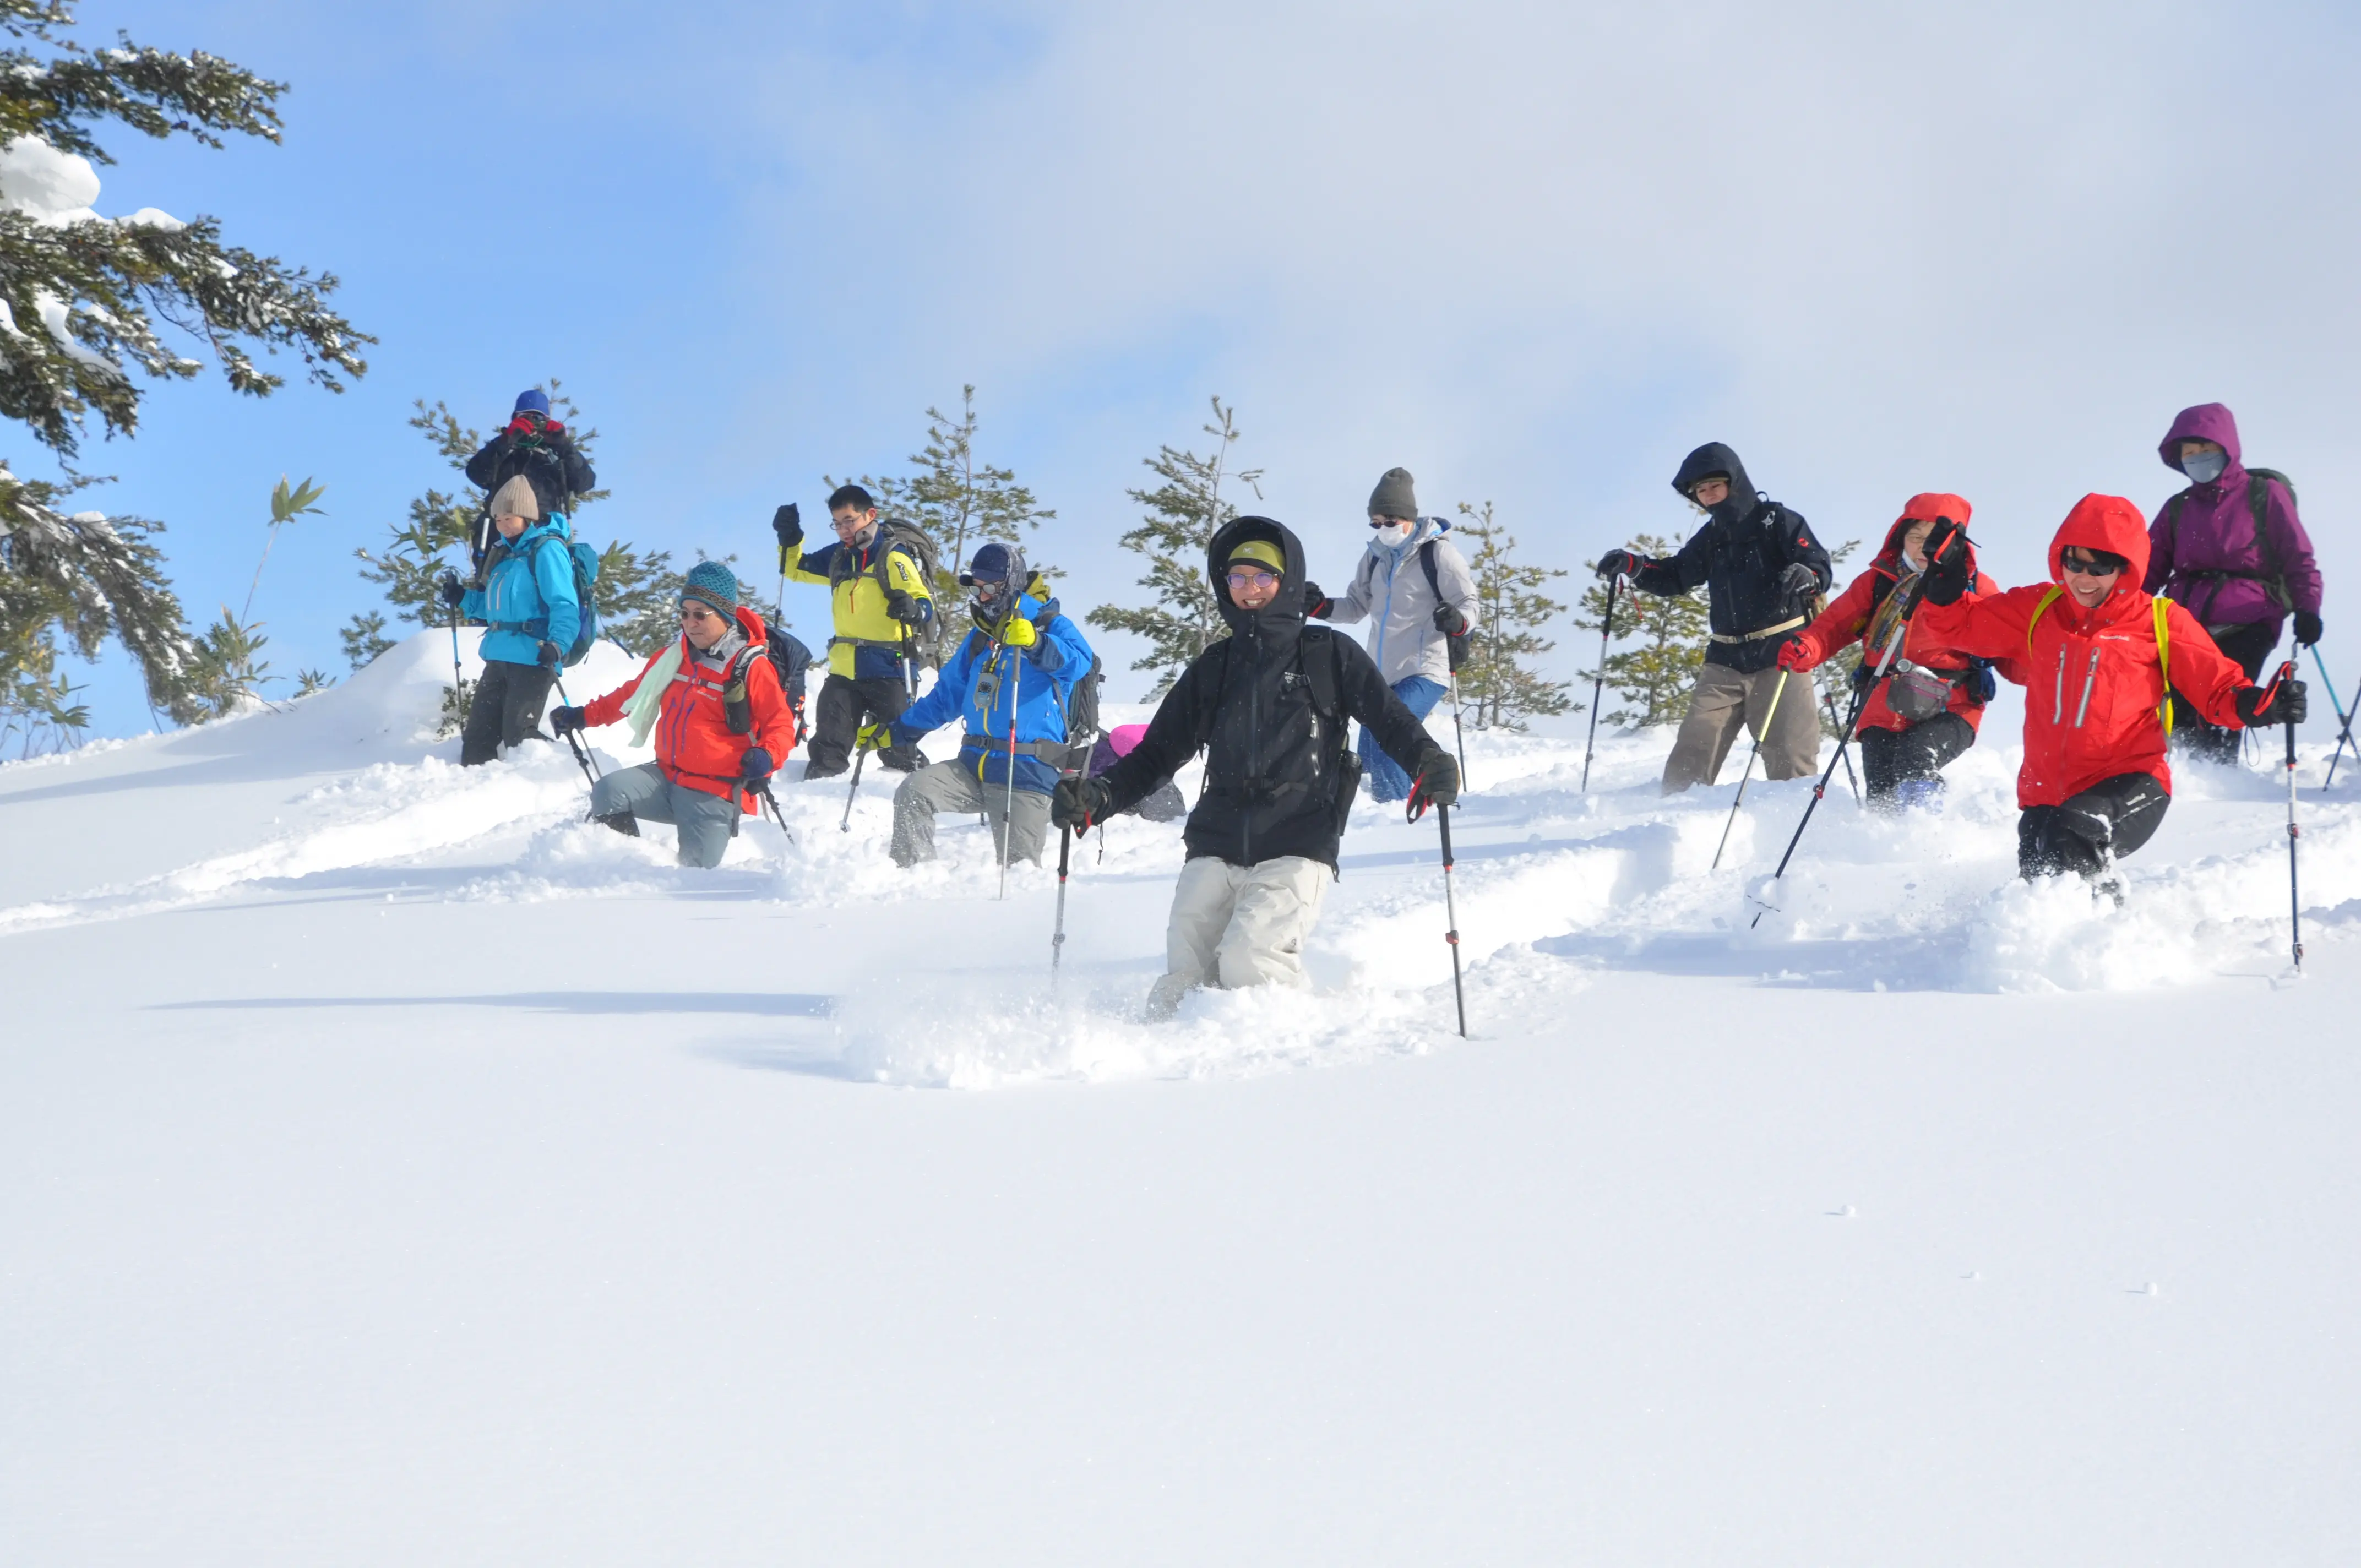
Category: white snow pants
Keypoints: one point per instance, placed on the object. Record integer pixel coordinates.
(1239, 926)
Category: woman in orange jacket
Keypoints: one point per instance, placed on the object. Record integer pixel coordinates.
(2098, 656)
(1926, 710)
(721, 725)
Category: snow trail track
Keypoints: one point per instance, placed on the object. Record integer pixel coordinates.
(394, 1167)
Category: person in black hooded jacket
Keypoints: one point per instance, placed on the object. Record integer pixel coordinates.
(540, 449)
(1268, 705)
(1761, 570)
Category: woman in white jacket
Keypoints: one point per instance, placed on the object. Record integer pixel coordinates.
(1413, 613)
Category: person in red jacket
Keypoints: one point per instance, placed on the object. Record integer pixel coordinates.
(1925, 711)
(721, 724)
(2098, 655)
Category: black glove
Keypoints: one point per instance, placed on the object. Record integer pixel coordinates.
(448, 588)
(2307, 627)
(1437, 784)
(2259, 706)
(1316, 604)
(1618, 564)
(1449, 621)
(1079, 803)
(1946, 577)
(787, 523)
(901, 606)
(551, 655)
(566, 721)
(1799, 581)
(756, 764)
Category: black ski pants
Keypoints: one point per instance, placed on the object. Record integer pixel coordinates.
(1890, 756)
(844, 705)
(2092, 830)
(505, 710)
(2251, 647)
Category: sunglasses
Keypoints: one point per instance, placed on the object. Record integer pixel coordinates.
(1376, 522)
(2084, 566)
(697, 612)
(1246, 577)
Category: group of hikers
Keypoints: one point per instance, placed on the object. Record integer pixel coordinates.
(2140, 629)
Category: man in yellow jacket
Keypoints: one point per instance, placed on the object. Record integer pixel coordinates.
(879, 595)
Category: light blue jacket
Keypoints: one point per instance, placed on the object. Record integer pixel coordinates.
(985, 680)
(529, 598)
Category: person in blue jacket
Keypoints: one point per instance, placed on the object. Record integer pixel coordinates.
(525, 598)
(1023, 659)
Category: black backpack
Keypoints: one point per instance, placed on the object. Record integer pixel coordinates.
(1463, 646)
(792, 662)
(1325, 676)
(2273, 576)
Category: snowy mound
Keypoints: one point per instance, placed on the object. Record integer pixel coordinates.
(927, 977)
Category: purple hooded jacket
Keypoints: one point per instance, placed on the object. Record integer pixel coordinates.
(2215, 533)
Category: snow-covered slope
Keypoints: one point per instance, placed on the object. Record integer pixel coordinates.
(394, 1167)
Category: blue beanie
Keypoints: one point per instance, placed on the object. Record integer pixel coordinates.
(533, 401)
(712, 583)
(992, 565)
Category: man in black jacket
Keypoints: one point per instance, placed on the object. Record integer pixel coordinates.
(1268, 705)
(540, 448)
(1762, 569)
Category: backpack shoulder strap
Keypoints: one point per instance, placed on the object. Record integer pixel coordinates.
(2164, 659)
(2266, 555)
(1209, 707)
(1326, 675)
(1426, 559)
(2039, 611)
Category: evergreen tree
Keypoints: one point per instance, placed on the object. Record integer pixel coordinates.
(1509, 608)
(229, 672)
(1183, 513)
(1657, 677)
(81, 297)
(958, 502)
(633, 593)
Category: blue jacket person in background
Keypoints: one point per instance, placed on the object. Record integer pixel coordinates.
(525, 597)
(1019, 665)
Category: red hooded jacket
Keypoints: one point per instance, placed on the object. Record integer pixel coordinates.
(2094, 680)
(694, 745)
(1847, 619)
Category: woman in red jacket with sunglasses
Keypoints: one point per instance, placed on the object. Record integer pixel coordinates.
(2098, 656)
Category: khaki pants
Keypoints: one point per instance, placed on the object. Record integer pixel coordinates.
(1239, 926)
(1722, 701)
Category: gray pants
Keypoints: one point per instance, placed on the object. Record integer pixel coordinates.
(1722, 702)
(707, 822)
(1239, 926)
(953, 786)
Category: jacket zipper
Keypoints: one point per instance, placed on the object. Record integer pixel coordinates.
(2057, 700)
(2088, 679)
(1254, 754)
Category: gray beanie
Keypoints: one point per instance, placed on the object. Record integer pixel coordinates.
(1394, 497)
(516, 499)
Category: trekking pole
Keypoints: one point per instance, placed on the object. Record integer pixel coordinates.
(2295, 900)
(1768, 715)
(460, 694)
(1885, 656)
(1008, 810)
(859, 755)
(1606, 628)
(1057, 941)
(1458, 740)
(1451, 912)
(762, 792)
(1829, 701)
(2345, 731)
(590, 767)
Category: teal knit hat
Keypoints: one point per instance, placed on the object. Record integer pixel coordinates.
(712, 583)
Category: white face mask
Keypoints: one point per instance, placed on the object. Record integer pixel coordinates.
(1392, 534)
(2205, 466)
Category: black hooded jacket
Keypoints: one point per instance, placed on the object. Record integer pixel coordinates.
(1747, 542)
(1271, 756)
(555, 467)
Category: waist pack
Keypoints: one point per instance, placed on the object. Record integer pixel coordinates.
(1917, 694)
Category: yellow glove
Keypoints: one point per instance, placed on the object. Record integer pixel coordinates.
(1019, 633)
(877, 737)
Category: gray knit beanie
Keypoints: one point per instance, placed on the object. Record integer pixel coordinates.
(516, 499)
(1394, 497)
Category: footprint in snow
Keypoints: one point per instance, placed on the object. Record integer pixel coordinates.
(1846, 1213)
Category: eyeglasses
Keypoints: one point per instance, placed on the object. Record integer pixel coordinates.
(1246, 577)
(2085, 566)
(695, 612)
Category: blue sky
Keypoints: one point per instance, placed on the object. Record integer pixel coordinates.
(1532, 253)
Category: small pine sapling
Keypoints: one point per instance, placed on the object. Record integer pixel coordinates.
(1498, 680)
